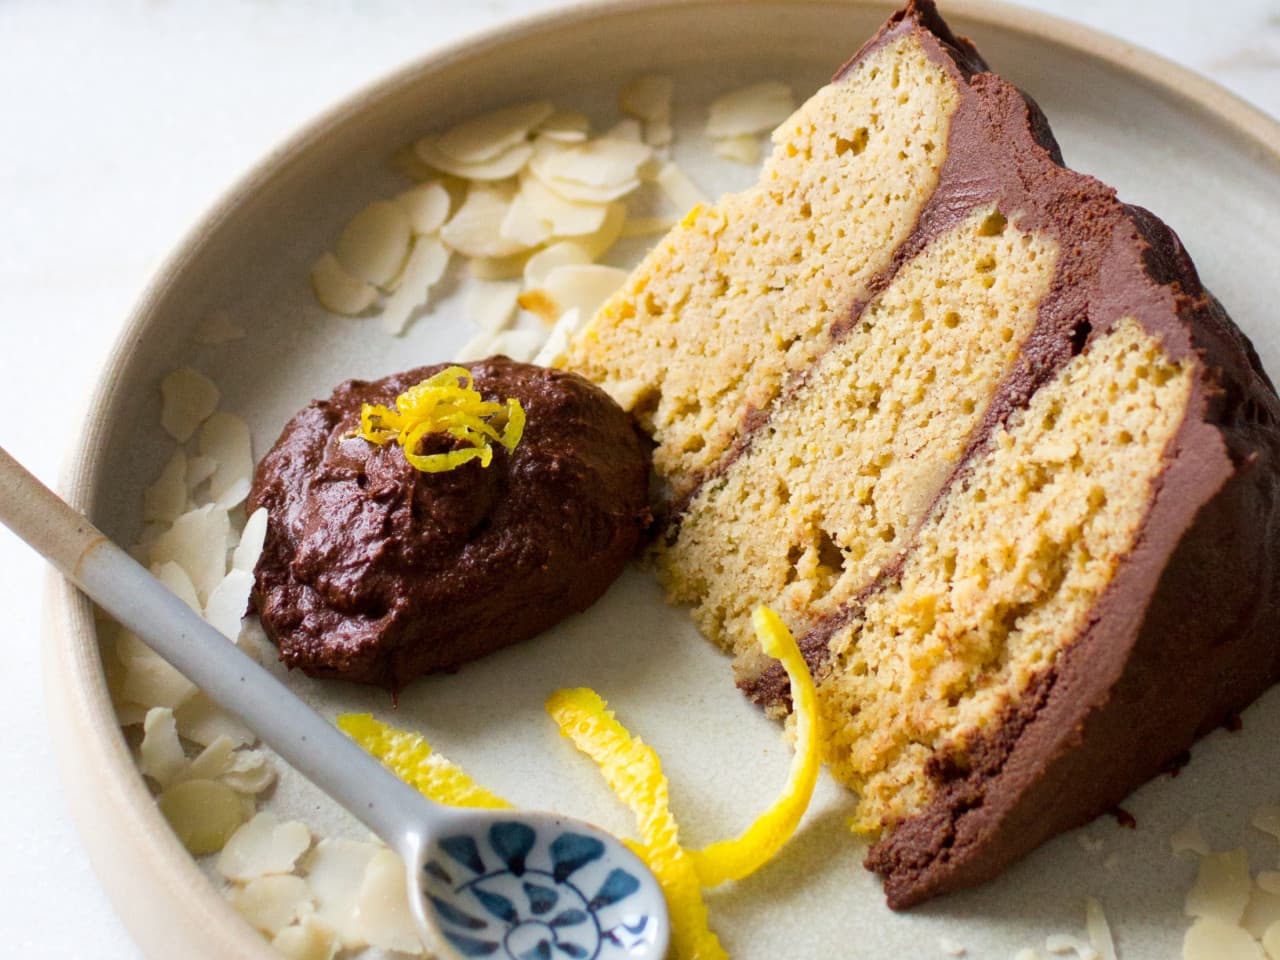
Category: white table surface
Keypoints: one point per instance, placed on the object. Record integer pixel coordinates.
(119, 124)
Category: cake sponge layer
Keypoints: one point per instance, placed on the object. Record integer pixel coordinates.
(743, 293)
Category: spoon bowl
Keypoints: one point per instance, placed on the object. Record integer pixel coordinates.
(505, 884)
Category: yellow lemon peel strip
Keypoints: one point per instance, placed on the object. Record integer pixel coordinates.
(736, 858)
(634, 773)
(411, 758)
(446, 403)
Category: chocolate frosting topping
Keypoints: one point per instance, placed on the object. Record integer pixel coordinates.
(376, 572)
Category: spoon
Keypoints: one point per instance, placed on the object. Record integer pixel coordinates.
(483, 883)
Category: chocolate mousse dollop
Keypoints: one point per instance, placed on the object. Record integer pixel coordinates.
(376, 572)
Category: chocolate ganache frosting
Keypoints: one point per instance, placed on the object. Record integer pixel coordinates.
(376, 572)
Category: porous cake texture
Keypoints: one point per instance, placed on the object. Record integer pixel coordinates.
(974, 428)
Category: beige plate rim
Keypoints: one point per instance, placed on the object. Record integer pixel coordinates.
(164, 900)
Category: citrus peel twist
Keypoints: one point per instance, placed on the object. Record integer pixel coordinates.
(446, 403)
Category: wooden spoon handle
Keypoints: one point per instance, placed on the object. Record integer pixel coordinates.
(40, 517)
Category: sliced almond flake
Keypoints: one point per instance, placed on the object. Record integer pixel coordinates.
(754, 109)
(647, 226)
(557, 344)
(199, 469)
(1268, 880)
(567, 218)
(338, 291)
(491, 304)
(187, 399)
(482, 345)
(374, 243)
(498, 268)
(1095, 922)
(211, 762)
(1212, 939)
(659, 134)
(175, 578)
(202, 721)
(252, 538)
(1271, 941)
(1188, 838)
(629, 129)
(224, 438)
(218, 328)
(405, 160)
(197, 543)
(203, 813)
(249, 772)
(599, 243)
(311, 939)
(476, 229)
(1061, 944)
(520, 345)
(741, 149)
(1222, 887)
(540, 265)
(263, 846)
(648, 97)
(522, 223)
(1267, 819)
(603, 163)
(253, 641)
(228, 603)
(565, 127)
(160, 755)
(151, 681)
(427, 207)
(166, 499)
(587, 194)
(1026, 953)
(489, 135)
(1262, 911)
(335, 870)
(382, 906)
(680, 190)
(272, 903)
(427, 264)
(501, 167)
(581, 287)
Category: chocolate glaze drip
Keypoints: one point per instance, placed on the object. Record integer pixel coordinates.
(1181, 638)
(376, 572)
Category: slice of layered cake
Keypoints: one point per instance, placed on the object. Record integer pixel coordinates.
(973, 427)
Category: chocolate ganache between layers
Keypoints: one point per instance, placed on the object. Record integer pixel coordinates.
(376, 572)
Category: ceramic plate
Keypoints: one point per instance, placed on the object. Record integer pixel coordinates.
(1168, 140)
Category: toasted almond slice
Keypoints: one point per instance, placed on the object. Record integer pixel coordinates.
(427, 264)
(338, 291)
(492, 134)
(1212, 939)
(483, 344)
(427, 207)
(311, 939)
(166, 499)
(251, 540)
(272, 903)
(491, 304)
(175, 577)
(228, 603)
(754, 109)
(203, 813)
(375, 242)
(565, 126)
(604, 163)
(150, 681)
(523, 225)
(680, 190)
(225, 439)
(501, 167)
(647, 226)
(202, 721)
(218, 328)
(554, 255)
(1188, 838)
(211, 762)
(1221, 890)
(249, 772)
(335, 870)
(1262, 911)
(199, 469)
(197, 543)
(263, 846)
(187, 399)
(476, 229)
(628, 129)
(160, 756)
(564, 218)
(583, 288)
(519, 345)
(498, 268)
(598, 244)
(1271, 940)
(382, 906)
(585, 194)
(1061, 943)
(648, 97)
(659, 133)
(558, 340)
(744, 148)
